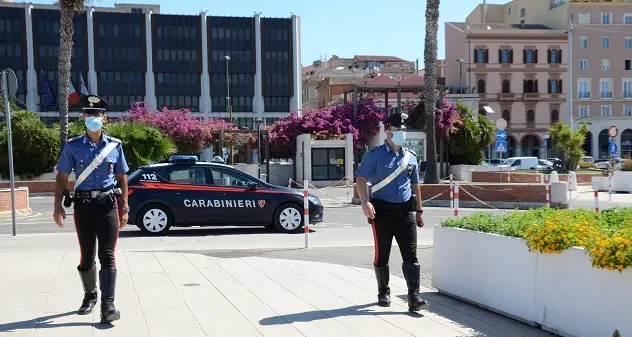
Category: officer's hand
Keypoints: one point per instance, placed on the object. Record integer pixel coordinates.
(59, 214)
(420, 220)
(123, 218)
(368, 210)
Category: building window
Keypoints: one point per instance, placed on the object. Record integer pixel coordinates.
(627, 110)
(530, 118)
(555, 116)
(606, 111)
(507, 116)
(555, 86)
(583, 42)
(530, 55)
(606, 88)
(277, 55)
(505, 56)
(583, 88)
(605, 64)
(627, 18)
(583, 64)
(605, 42)
(481, 55)
(555, 56)
(481, 86)
(530, 86)
(506, 87)
(606, 18)
(509, 11)
(583, 18)
(584, 110)
(628, 42)
(627, 88)
(523, 12)
(328, 164)
(628, 64)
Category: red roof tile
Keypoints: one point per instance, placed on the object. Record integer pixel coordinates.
(413, 80)
(381, 80)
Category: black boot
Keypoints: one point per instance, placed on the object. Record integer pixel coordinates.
(412, 273)
(384, 292)
(89, 281)
(107, 281)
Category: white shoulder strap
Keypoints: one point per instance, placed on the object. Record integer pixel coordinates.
(96, 162)
(395, 173)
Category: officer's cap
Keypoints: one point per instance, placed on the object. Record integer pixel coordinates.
(93, 104)
(397, 120)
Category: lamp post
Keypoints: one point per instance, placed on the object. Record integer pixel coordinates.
(569, 96)
(229, 107)
(460, 78)
(258, 122)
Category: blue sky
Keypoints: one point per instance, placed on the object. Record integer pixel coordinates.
(343, 28)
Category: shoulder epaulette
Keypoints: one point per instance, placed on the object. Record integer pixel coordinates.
(116, 140)
(411, 151)
(74, 139)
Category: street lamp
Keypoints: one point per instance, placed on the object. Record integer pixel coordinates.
(460, 78)
(258, 122)
(228, 105)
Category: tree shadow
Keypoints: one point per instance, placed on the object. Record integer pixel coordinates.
(42, 322)
(200, 231)
(354, 310)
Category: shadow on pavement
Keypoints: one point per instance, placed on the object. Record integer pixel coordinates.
(42, 322)
(310, 316)
(205, 231)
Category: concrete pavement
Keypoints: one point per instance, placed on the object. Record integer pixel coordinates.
(185, 294)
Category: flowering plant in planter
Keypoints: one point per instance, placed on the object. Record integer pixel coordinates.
(606, 236)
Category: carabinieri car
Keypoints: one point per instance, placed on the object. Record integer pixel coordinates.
(186, 192)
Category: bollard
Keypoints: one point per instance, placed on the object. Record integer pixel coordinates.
(348, 186)
(456, 199)
(289, 183)
(596, 201)
(451, 192)
(609, 186)
(306, 212)
(547, 185)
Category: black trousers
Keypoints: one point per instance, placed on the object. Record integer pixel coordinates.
(402, 225)
(97, 223)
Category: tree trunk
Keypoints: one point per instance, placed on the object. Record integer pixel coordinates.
(430, 90)
(66, 31)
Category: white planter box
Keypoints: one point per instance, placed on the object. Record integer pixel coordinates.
(491, 270)
(622, 181)
(600, 184)
(562, 292)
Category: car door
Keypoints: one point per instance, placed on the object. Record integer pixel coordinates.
(239, 204)
(192, 197)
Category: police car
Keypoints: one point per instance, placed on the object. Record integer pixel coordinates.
(186, 192)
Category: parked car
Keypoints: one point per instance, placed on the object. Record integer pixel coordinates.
(544, 164)
(587, 162)
(522, 163)
(494, 161)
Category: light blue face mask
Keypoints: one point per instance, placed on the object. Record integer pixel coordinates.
(399, 137)
(94, 124)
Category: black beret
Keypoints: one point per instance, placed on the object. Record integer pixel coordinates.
(93, 102)
(397, 120)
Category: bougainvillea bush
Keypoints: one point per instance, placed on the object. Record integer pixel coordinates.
(447, 119)
(323, 124)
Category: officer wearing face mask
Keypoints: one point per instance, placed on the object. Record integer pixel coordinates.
(100, 210)
(394, 208)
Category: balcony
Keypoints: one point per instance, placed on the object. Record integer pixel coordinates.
(606, 95)
(531, 97)
(627, 94)
(584, 95)
(506, 97)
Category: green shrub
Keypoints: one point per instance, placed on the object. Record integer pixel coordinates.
(606, 236)
(35, 147)
(627, 165)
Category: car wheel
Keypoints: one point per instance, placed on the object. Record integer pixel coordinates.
(155, 219)
(288, 218)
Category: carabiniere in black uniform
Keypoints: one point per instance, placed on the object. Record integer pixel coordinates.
(98, 163)
(393, 173)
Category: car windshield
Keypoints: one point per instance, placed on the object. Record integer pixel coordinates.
(509, 161)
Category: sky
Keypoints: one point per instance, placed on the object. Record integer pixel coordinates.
(333, 27)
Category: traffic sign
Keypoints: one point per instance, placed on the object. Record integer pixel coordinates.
(501, 146)
(613, 131)
(612, 148)
(545, 142)
(501, 135)
(501, 124)
(610, 140)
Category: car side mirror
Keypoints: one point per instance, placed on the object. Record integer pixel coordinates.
(252, 186)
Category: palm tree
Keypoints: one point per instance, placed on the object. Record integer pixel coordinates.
(430, 89)
(67, 10)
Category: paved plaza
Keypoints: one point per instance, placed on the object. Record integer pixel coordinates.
(188, 294)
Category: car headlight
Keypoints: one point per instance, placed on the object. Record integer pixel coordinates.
(314, 200)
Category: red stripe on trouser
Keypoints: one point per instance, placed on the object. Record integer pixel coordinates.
(74, 219)
(377, 248)
(118, 221)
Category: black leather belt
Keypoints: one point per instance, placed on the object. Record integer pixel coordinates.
(393, 207)
(93, 194)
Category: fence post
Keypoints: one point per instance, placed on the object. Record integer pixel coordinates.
(547, 184)
(306, 211)
(596, 201)
(456, 199)
(451, 192)
(289, 182)
(609, 186)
